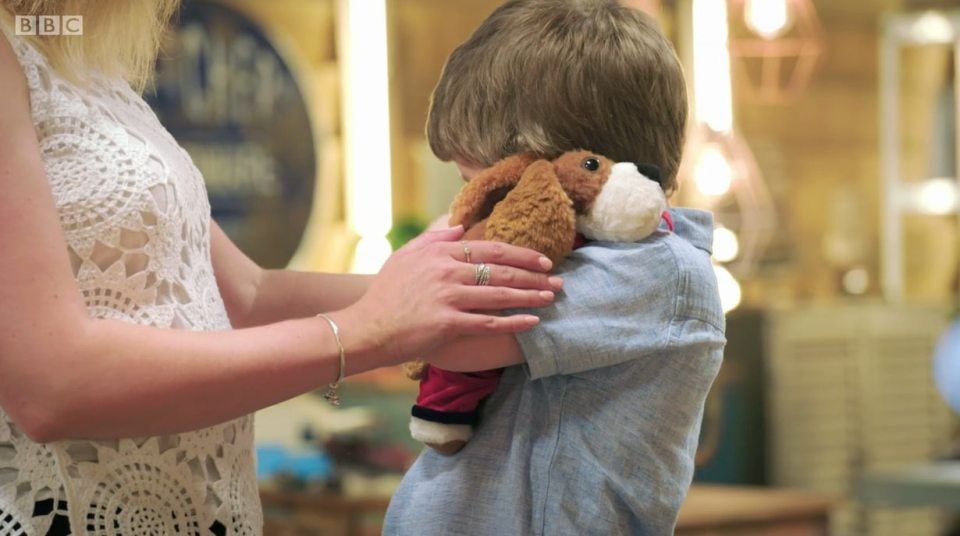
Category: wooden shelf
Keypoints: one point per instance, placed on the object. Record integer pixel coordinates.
(750, 511)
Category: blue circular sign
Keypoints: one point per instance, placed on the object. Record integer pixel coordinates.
(946, 366)
(224, 91)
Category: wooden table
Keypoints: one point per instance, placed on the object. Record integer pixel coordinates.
(935, 484)
(708, 511)
(753, 511)
(314, 514)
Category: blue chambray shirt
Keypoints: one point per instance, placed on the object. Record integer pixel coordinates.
(596, 433)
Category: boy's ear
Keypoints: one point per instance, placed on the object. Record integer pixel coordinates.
(477, 198)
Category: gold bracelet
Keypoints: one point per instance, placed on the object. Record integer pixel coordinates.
(331, 394)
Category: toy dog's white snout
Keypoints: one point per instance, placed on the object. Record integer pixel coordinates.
(628, 208)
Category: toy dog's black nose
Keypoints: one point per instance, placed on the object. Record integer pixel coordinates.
(650, 171)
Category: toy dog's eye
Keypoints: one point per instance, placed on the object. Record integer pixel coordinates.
(591, 164)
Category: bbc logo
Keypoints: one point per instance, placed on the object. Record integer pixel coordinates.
(50, 25)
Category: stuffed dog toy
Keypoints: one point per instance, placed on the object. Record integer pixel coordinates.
(545, 206)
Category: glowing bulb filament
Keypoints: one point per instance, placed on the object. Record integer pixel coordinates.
(768, 18)
(713, 174)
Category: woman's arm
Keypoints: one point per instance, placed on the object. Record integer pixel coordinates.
(67, 375)
(501, 350)
(254, 296)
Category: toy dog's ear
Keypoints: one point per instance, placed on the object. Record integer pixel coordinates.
(537, 214)
(476, 200)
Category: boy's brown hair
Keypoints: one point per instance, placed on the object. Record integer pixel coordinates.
(549, 76)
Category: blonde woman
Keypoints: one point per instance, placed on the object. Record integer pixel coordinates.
(124, 393)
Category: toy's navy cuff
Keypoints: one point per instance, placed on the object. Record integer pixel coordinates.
(445, 417)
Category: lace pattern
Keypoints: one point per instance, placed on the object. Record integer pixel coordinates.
(135, 215)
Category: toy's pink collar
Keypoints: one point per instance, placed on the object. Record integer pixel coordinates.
(666, 217)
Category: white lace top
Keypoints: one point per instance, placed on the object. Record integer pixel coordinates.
(135, 214)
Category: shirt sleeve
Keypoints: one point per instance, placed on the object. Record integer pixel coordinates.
(617, 304)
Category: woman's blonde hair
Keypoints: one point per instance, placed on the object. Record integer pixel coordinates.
(120, 37)
(549, 76)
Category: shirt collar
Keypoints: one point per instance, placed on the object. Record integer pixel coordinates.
(693, 225)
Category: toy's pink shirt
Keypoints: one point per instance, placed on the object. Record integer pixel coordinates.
(456, 392)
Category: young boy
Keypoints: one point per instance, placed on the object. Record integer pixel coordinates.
(595, 431)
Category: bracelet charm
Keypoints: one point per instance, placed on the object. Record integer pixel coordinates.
(331, 395)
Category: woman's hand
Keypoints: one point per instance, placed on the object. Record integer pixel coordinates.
(426, 294)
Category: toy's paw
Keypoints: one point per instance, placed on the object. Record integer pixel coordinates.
(415, 370)
(446, 439)
(449, 448)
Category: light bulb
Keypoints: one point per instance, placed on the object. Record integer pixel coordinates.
(937, 196)
(726, 246)
(729, 288)
(768, 18)
(932, 27)
(856, 281)
(713, 174)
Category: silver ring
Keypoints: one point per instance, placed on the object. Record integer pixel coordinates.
(481, 274)
(466, 250)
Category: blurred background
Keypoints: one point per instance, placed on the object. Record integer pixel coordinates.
(823, 137)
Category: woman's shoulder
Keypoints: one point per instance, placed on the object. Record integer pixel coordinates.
(23, 50)
(13, 78)
(23, 64)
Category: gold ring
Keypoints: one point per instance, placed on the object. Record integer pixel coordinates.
(481, 274)
(466, 250)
